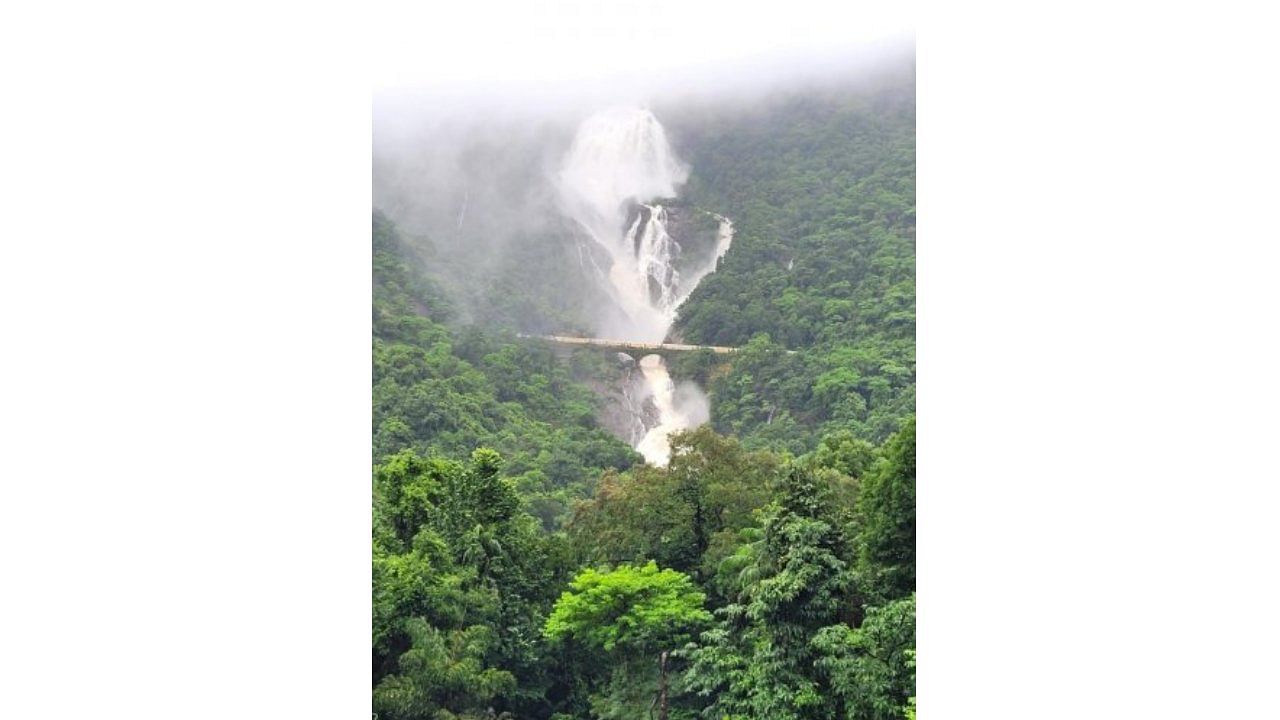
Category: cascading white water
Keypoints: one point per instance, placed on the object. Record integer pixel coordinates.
(654, 445)
(653, 272)
(621, 158)
(618, 157)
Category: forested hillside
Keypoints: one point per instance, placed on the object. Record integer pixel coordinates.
(526, 564)
(730, 584)
(821, 187)
(447, 390)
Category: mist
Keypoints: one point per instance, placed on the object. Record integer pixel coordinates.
(555, 208)
(479, 166)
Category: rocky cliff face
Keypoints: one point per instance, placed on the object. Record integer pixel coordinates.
(628, 410)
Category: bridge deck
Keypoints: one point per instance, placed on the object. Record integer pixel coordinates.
(631, 345)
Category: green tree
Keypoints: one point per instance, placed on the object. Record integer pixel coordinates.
(443, 676)
(887, 510)
(845, 452)
(871, 668)
(630, 612)
(685, 516)
(461, 577)
(759, 662)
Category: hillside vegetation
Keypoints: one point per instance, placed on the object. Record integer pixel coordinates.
(526, 565)
(821, 188)
(444, 390)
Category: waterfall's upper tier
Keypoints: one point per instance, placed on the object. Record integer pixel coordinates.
(618, 180)
(619, 155)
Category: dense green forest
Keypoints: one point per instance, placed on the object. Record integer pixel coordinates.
(445, 390)
(527, 564)
(821, 188)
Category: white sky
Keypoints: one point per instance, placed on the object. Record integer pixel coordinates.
(479, 47)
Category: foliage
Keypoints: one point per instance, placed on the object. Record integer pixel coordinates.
(628, 608)
(632, 613)
(443, 391)
(887, 509)
(821, 188)
(788, 647)
(685, 516)
(443, 675)
(459, 576)
(871, 668)
(758, 662)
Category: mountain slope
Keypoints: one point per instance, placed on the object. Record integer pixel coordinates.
(821, 188)
(439, 390)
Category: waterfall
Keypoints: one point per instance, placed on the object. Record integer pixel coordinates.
(620, 164)
(653, 445)
(617, 156)
(654, 271)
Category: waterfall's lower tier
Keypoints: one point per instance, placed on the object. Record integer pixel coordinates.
(679, 407)
(654, 445)
(644, 406)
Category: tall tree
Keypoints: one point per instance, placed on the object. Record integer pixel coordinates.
(631, 613)
(685, 516)
(887, 510)
(759, 662)
(872, 669)
(460, 574)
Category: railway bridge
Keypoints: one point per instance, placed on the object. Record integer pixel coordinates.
(629, 346)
